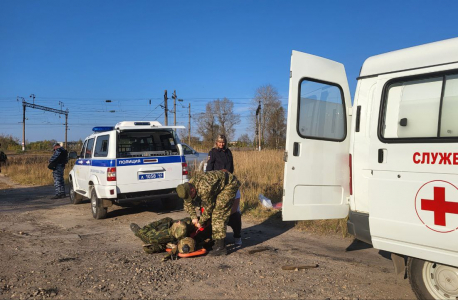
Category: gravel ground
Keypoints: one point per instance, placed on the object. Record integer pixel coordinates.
(53, 249)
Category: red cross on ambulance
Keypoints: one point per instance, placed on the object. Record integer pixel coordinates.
(436, 204)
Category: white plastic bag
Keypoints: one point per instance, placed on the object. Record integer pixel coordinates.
(265, 201)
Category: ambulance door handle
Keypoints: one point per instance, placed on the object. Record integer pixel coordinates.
(296, 149)
(382, 156)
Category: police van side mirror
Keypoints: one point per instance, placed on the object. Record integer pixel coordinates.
(72, 155)
(403, 122)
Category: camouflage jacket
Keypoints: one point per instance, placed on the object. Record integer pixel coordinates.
(208, 185)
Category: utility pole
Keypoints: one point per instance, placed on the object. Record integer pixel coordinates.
(23, 125)
(66, 129)
(174, 96)
(33, 105)
(189, 125)
(165, 108)
(258, 119)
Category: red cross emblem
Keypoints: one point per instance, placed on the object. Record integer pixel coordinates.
(436, 204)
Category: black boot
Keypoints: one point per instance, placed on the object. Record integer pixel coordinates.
(219, 248)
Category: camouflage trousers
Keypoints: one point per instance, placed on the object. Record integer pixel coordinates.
(222, 210)
(58, 175)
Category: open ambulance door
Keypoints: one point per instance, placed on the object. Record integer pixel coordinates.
(317, 174)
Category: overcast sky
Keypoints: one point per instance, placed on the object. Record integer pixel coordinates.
(81, 53)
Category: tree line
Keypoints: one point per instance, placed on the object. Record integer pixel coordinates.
(220, 118)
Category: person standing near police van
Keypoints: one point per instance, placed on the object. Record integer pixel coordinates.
(220, 158)
(3, 157)
(57, 164)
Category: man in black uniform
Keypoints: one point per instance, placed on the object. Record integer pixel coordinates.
(57, 164)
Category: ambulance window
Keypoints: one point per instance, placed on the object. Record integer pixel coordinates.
(90, 145)
(321, 111)
(101, 146)
(449, 121)
(412, 109)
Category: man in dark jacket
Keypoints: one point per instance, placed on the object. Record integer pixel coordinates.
(57, 164)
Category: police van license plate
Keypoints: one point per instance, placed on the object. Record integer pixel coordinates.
(151, 176)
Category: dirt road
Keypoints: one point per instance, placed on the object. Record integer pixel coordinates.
(52, 249)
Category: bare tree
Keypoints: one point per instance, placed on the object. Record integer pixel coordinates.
(272, 118)
(245, 140)
(207, 126)
(224, 112)
(276, 129)
(218, 118)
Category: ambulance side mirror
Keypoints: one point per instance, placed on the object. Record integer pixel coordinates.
(403, 122)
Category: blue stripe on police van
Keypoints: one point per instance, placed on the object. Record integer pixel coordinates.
(104, 163)
(96, 162)
(83, 162)
(148, 160)
(130, 161)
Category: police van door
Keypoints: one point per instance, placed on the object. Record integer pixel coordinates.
(316, 177)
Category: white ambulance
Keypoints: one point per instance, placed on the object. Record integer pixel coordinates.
(132, 162)
(389, 162)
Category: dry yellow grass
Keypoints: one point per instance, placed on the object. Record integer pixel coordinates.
(30, 169)
(259, 173)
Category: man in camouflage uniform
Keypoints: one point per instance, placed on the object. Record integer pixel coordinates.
(157, 234)
(57, 164)
(214, 191)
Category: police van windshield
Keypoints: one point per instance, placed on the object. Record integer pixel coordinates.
(146, 143)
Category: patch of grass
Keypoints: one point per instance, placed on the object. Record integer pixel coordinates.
(29, 169)
(324, 226)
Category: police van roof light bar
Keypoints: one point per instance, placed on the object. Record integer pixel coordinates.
(102, 128)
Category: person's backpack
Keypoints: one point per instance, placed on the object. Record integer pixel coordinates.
(63, 157)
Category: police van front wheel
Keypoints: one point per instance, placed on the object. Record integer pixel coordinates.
(432, 280)
(75, 198)
(98, 211)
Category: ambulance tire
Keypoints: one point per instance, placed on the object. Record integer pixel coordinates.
(98, 211)
(75, 198)
(432, 280)
(169, 203)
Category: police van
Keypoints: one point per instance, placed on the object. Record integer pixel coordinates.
(128, 163)
(388, 163)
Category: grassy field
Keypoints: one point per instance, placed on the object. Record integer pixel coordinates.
(259, 173)
(32, 169)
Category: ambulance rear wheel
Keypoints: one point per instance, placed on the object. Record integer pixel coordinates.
(98, 211)
(432, 280)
